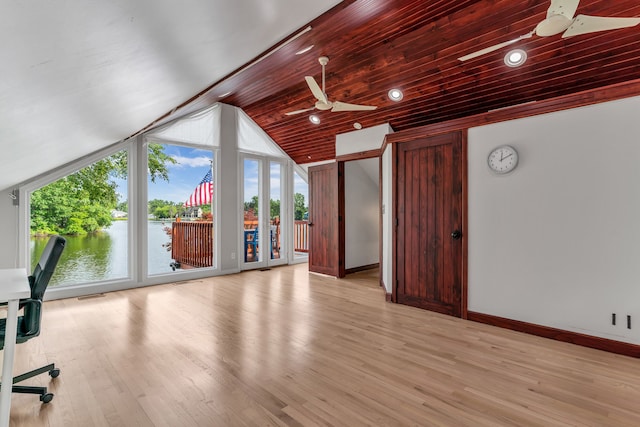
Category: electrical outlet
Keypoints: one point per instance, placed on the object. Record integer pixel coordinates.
(233, 255)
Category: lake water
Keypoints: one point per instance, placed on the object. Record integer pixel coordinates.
(104, 255)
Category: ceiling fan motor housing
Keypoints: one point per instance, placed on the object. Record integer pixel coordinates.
(555, 24)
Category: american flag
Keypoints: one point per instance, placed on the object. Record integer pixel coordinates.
(202, 194)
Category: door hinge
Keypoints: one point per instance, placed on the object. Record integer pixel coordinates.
(397, 222)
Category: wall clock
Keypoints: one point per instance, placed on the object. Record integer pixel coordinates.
(503, 159)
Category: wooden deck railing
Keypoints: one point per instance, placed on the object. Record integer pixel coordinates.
(192, 243)
(301, 236)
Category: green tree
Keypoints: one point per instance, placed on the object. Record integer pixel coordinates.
(164, 209)
(123, 206)
(275, 208)
(252, 204)
(299, 206)
(154, 204)
(64, 207)
(82, 202)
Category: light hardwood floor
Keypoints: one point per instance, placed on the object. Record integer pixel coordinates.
(286, 348)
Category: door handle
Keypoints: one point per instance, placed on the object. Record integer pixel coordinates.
(456, 235)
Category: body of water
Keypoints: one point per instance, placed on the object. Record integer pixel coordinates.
(104, 255)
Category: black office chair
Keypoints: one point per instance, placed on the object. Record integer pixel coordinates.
(29, 322)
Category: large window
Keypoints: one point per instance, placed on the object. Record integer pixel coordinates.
(147, 211)
(90, 209)
(180, 218)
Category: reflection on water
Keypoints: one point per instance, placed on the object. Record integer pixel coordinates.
(103, 256)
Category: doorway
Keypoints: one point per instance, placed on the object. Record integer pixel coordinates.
(344, 216)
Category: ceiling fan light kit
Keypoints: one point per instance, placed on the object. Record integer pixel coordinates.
(561, 19)
(322, 100)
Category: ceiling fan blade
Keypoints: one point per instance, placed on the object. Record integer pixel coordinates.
(495, 47)
(291, 113)
(566, 8)
(584, 24)
(343, 106)
(315, 89)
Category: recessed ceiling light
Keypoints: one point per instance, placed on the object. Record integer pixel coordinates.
(515, 58)
(314, 119)
(224, 95)
(305, 50)
(357, 125)
(395, 95)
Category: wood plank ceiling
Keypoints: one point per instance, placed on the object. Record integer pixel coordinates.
(376, 45)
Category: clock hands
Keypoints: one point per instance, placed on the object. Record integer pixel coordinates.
(503, 159)
(502, 156)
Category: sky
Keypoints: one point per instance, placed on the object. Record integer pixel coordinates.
(192, 165)
(184, 176)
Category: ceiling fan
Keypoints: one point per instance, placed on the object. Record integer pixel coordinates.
(560, 17)
(323, 102)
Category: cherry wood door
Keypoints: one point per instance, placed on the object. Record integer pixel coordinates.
(326, 219)
(429, 240)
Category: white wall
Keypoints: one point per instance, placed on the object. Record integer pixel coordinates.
(355, 142)
(8, 231)
(362, 140)
(229, 200)
(557, 242)
(362, 222)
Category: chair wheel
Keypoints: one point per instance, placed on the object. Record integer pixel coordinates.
(54, 372)
(46, 398)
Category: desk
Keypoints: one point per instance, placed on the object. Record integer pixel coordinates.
(14, 285)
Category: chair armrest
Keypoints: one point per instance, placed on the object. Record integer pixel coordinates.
(32, 315)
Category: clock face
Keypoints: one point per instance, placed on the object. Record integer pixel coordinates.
(503, 159)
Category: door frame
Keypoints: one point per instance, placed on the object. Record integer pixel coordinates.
(464, 216)
(363, 155)
(264, 196)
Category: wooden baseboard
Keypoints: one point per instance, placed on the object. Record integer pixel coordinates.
(361, 268)
(387, 297)
(558, 334)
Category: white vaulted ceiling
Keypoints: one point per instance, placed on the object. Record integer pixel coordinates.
(76, 76)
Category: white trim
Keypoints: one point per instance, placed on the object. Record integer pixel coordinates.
(74, 291)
